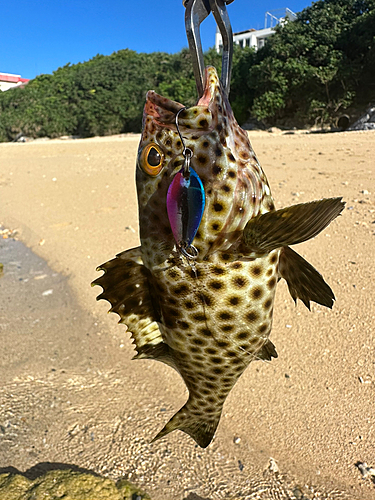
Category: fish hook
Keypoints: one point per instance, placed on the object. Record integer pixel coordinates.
(187, 153)
(185, 202)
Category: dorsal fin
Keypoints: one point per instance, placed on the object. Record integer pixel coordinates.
(126, 286)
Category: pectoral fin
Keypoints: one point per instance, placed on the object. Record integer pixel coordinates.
(290, 225)
(126, 285)
(304, 281)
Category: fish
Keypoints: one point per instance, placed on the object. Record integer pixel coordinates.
(198, 293)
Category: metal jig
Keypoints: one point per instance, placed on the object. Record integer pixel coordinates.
(185, 202)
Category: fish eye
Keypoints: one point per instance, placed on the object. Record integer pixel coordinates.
(152, 159)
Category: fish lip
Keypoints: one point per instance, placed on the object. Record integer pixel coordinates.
(161, 108)
(210, 88)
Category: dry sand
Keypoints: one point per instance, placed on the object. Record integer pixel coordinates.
(74, 396)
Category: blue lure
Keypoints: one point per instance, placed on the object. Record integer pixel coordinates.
(185, 206)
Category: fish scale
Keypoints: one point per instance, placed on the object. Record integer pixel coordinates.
(210, 317)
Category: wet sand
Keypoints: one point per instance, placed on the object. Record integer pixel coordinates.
(71, 395)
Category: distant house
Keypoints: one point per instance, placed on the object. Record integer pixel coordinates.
(8, 80)
(256, 38)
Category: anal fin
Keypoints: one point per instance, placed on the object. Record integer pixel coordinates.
(267, 352)
(290, 225)
(304, 281)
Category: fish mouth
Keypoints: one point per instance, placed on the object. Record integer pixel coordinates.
(212, 86)
(164, 110)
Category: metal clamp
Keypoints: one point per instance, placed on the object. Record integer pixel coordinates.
(196, 13)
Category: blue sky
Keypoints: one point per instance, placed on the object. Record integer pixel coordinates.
(37, 36)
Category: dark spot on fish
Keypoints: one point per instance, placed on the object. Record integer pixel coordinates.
(236, 265)
(257, 293)
(273, 259)
(218, 270)
(232, 174)
(205, 332)
(243, 335)
(256, 270)
(216, 169)
(168, 142)
(210, 350)
(195, 273)
(239, 282)
(172, 301)
(205, 144)
(271, 205)
(225, 316)
(254, 341)
(218, 207)
(226, 188)
(194, 349)
(231, 157)
(252, 316)
(203, 123)
(202, 159)
(217, 361)
(218, 151)
(268, 304)
(225, 256)
(227, 328)
(197, 341)
(236, 361)
(219, 127)
(173, 274)
(216, 285)
(181, 289)
(231, 354)
(234, 301)
(209, 384)
(207, 299)
(169, 322)
(178, 143)
(215, 226)
(199, 317)
(184, 325)
(189, 304)
(223, 343)
(271, 283)
(219, 107)
(218, 371)
(244, 155)
(262, 328)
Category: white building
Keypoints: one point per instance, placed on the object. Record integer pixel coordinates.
(256, 38)
(8, 80)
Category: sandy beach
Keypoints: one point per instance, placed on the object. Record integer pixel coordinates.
(295, 426)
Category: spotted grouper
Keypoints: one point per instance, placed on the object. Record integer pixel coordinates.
(198, 293)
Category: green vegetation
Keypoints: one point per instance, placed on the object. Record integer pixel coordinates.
(308, 72)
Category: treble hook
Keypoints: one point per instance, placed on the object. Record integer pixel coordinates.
(196, 13)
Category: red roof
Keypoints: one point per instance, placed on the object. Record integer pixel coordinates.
(5, 77)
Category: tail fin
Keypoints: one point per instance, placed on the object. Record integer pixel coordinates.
(304, 281)
(200, 427)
